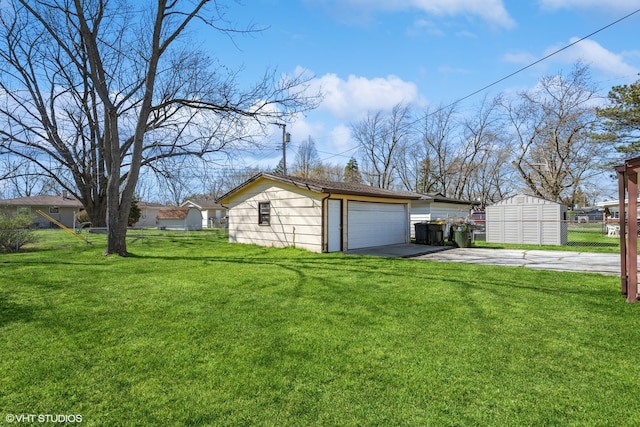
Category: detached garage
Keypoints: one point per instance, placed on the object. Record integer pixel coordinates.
(526, 220)
(320, 216)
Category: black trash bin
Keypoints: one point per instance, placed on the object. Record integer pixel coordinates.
(422, 236)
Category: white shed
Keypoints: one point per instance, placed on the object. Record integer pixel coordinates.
(179, 219)
(527, 220)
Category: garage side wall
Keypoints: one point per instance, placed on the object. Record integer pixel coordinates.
(295, 217)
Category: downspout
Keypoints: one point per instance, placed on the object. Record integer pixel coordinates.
(324, 244)
(227, 227)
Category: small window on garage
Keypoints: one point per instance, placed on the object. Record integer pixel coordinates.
(54, 210)
(264, 213)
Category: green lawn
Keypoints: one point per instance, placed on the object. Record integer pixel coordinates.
(191, 330)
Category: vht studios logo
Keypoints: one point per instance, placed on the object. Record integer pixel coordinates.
(43, 418)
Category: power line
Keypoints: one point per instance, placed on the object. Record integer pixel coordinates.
(494, 83)
(544, 58)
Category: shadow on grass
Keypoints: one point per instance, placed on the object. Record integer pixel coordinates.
(11, 312)
(542, 281)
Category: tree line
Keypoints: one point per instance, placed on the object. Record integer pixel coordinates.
(557, 141)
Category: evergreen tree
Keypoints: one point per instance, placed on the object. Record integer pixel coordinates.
(621, 118)
(135, 213)
(352, 172)
(279, 170)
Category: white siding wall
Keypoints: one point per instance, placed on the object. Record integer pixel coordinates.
(171, 224)
(424, 210)
(296, 217)
(148, 216)
(194, 219)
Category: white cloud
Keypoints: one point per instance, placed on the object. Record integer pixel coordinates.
(587, 4)
(597, 57)
(492, 11)
(346, 101)
(352, 98)
(519, 57)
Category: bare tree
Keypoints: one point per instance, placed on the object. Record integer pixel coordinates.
(381, 138)
(482, 170)
(175, 179)
(552, 148)
(329, 172)
(228, 179)
(95, 91)
(437, 151)
(307, 160)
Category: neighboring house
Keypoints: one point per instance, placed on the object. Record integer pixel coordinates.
(587, 214)
(213, 214)
(320, 216)
(64, 208)
(435, 206)
(526, 219)
(175, 218)
(611, 209)
(148, 214)
(61, 208)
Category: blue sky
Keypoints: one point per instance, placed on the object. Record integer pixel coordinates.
(368, 55)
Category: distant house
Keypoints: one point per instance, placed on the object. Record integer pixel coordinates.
(320, 216)
(148, 214)
(526, 219)
(213, 214)
(587, 214)
(64, 208)
(61, 208)
(178, 218)
(611, 209)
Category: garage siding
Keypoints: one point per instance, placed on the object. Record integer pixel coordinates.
(296, 218)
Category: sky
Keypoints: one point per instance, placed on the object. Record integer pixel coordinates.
(368, 55)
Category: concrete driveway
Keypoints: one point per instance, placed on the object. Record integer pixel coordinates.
(583, 262)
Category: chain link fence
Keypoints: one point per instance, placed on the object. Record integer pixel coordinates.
(26, 239)
(563, 233)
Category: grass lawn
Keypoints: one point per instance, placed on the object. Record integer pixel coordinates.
(195, 331)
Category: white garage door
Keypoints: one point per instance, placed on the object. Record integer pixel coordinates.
(376, 224)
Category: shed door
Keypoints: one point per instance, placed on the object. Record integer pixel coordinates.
(334, 226)
(376, 224)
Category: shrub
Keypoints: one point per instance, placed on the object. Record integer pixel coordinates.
(82, 216)
(15, 232)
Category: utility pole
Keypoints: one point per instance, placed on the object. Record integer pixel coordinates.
(286, 137)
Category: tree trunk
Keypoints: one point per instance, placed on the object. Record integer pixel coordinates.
(116, 234)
